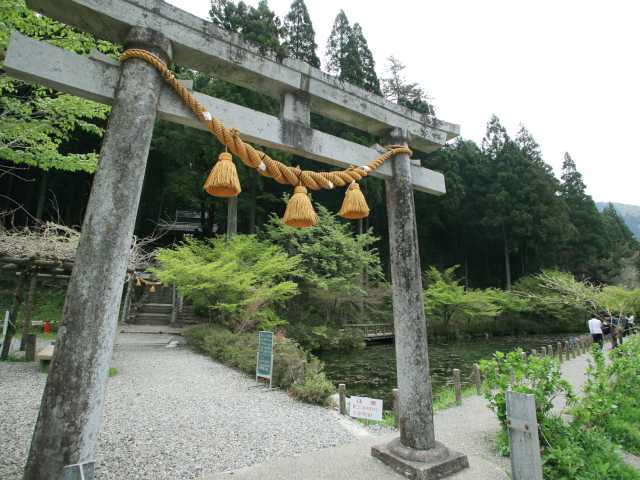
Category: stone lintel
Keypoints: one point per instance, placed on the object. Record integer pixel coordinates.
(201, 45)
(47, 65)
(439, 462)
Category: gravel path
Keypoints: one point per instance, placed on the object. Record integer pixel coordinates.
(172, 414)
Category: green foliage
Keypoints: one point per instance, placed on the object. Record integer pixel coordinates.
(243, 278)
(610, 403)
(603, 420)
(293, 369)
(112, 372)
(334, 266)
(299, 34)
(539, 377)
(37, 125)
(447, 303)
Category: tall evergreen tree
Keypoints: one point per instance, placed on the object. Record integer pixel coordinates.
(586, 246)
(337, 44)
(259, 26)
(299, 34)
(369, 80)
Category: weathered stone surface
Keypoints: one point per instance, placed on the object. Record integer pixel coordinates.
(72, 404)
(438, 462)
(94, 79)
(414, 382)
(201, 45)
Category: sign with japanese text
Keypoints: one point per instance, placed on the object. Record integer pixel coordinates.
(264, 362)
(366, 408)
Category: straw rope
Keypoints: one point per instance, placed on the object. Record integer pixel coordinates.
(254, 158)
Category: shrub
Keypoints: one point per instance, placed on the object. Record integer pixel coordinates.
(293, 369)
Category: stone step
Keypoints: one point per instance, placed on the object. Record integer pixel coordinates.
(156, 308)
(142, 318)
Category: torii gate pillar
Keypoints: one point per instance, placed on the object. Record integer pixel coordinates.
(416, 450)
(72, 404)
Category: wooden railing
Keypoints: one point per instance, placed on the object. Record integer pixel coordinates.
(373, 331)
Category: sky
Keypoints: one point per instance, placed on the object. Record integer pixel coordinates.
(568, 70)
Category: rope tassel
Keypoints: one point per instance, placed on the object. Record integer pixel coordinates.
(300, 212)
(223, 180)
(354, 205)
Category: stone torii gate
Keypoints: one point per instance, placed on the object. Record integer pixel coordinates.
(64, 440)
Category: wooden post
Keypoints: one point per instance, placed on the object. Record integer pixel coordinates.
(543, 351)
(174, 312)
(396, 408)
(126, 304)
(72, 405)
(526, 463)
(550, 350)
(534, 352)
(342, 394)
(28, 309)
(477, 378)
(525, 357)
(13, 315)
(457, 386)
(412, 361)
(565, 349)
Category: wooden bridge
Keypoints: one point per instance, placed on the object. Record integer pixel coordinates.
(373, 332)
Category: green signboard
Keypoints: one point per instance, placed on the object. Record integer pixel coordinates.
(264, 361)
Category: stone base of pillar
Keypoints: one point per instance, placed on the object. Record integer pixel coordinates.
(439, 462)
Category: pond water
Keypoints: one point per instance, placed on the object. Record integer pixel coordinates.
(372, 372)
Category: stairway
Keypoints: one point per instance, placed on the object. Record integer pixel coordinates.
(153, 308)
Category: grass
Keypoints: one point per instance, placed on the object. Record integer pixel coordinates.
(113, 371)
(445, 398)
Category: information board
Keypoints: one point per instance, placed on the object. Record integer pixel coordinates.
(366, 408)
(264, 361)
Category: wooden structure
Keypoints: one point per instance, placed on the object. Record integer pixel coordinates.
(139, 95)
(524, 444)
(373, 332)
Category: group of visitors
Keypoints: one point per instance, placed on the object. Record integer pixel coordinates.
(610, 326)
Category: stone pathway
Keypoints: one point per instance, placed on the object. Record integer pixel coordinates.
(174, 414)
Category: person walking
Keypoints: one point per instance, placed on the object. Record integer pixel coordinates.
(595, 329)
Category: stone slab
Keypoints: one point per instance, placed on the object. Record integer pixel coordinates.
(91, 78)
(432, 469)
(201, 45)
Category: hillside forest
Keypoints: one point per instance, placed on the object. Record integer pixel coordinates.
(507, 223)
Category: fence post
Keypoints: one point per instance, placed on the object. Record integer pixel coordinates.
(477, 378)
(550, 350)
(396, 408)
(526, 463)
(457, 386)
(342, 393)
(543, 351)
(565, 349)
(534, 352)
(559, 351)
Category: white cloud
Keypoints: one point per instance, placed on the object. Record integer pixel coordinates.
(567, 70)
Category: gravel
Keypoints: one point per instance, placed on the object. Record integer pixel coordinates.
(172, 414)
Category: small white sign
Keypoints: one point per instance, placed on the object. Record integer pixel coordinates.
(364, 407)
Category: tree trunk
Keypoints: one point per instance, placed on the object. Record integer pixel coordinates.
(42, 194)
(232, 217)
(507, 263)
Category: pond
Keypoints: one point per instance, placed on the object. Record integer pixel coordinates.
(372, 372)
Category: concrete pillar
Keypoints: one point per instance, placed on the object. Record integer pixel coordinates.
(416, 451)
(72, 405)
(412, 361)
